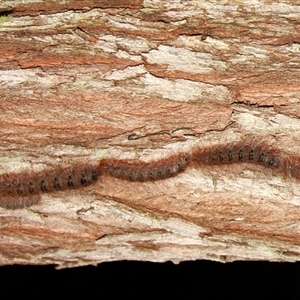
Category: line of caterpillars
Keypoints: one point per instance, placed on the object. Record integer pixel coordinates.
(19, 190)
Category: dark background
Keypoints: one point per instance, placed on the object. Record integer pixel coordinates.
(144, 280)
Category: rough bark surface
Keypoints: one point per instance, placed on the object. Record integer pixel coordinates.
(88, 80)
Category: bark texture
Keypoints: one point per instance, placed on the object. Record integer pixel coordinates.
(89, 80)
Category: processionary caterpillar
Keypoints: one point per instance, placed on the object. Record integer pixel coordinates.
(24, 189)
(20, 190)
(259, 154)
(132, 170)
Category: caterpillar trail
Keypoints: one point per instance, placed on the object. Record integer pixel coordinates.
(20, 190)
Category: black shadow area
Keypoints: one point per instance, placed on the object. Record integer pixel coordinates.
(144, 280)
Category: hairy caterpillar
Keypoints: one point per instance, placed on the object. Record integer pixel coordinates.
(260, 154)
(140, 171)
(19, 190)
(291, 167)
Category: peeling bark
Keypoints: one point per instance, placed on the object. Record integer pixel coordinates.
(89, 80)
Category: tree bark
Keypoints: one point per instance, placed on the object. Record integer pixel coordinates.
(82, 81)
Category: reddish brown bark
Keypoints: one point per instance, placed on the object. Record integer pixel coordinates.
(82, 81)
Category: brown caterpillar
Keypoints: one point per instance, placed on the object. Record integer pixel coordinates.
(24, 189)
(132, 170)
(291, 167)
(242, 152)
